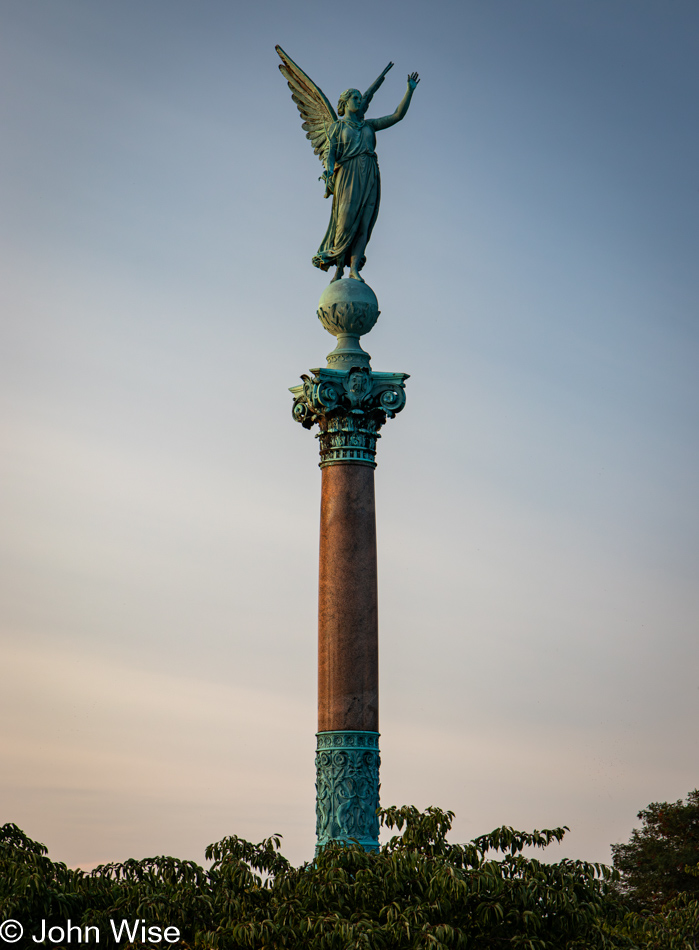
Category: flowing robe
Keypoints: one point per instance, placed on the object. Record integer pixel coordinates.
(356, 191)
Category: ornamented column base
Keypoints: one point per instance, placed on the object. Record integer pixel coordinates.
(347, 788)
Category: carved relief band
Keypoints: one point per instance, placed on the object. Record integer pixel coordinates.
(347, 788)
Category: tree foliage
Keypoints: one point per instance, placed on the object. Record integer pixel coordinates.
(654, 864)
(674, 927)
(419, 891)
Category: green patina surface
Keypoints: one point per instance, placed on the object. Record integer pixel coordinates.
(345, 142)
(347, 788)
(349, 407)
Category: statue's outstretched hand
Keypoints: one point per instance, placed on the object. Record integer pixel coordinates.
(412, 81)
(390, 66)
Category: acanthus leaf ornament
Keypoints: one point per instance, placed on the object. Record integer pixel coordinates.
(349, 408)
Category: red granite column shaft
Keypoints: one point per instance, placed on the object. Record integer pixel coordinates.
(348, 624)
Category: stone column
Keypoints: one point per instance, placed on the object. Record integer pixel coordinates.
(349, 403)
(348, 620)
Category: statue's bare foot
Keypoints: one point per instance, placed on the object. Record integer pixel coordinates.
(354, 273)
(338, 273)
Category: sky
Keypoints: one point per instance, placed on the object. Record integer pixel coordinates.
(535, 261)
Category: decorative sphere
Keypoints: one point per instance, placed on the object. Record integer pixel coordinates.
(348, 306)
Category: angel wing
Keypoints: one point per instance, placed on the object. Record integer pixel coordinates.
(317, 113)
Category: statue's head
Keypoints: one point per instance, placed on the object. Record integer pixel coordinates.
(350, 101)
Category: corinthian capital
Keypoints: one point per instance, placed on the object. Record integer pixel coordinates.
(349, 408)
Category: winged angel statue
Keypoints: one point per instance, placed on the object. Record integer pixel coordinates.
(347, 148)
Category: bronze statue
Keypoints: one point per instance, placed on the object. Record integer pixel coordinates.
(346, 146)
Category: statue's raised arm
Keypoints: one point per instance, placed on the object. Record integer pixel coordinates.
(386, 121)
(347, 147)
(369, 94)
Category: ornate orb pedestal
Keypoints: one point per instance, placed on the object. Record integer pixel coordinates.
(348, 309)
(349, 403)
